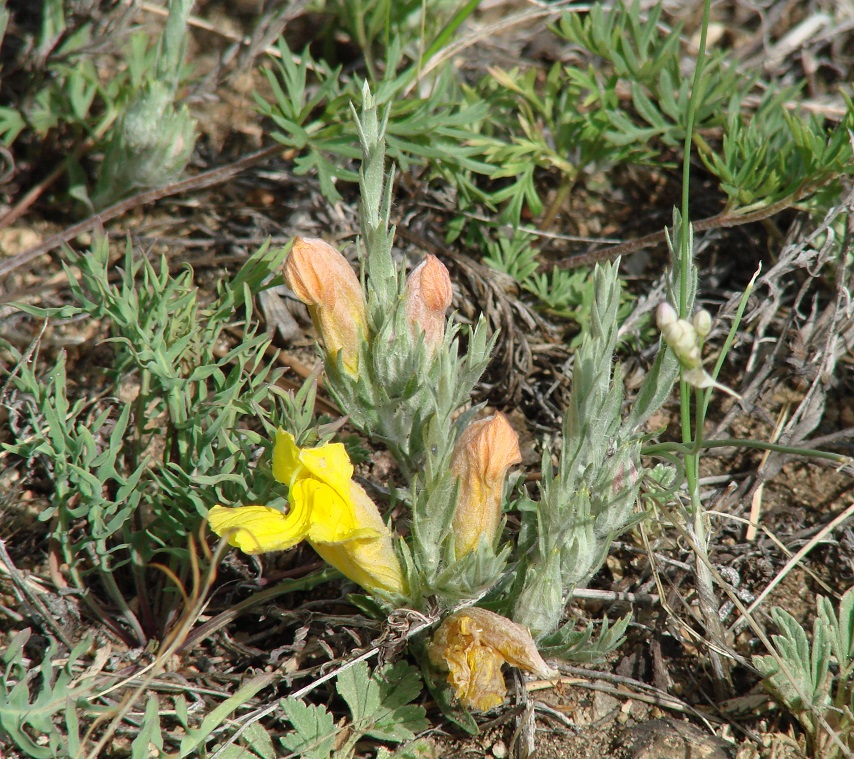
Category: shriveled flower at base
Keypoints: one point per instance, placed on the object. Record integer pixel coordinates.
(473, 644)
(328, 509)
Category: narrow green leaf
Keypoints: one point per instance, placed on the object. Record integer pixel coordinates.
(197, 736)
(149, 731)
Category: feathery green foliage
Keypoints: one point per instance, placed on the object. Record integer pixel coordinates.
(112, 462)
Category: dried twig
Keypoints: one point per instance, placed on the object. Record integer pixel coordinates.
(200, 181)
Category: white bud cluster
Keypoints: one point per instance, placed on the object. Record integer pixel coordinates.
(684, 338)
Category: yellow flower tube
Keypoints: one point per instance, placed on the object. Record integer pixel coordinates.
(327, 509)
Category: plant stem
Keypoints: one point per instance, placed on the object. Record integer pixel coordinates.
(116, 594)
(704, 580)
(441, 40)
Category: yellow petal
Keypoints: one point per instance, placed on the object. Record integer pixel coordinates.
(350, 535)
(474, 670)
(330, 464)
(258, 529)
(375, 563)
(366, 511)
(332, 519)
(482, 686)
(286, 463)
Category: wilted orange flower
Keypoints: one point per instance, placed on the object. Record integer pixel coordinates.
(472, 644)
(323, 279)
(484, 452)
(428, 297)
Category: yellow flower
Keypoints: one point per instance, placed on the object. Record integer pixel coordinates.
(472, 644)
(327, 509)
(428, 296)
(323, 279)
(484, 452)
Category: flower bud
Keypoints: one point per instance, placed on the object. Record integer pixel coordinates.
(665, 315)
(484, 452)
(472, 644)
(680, 335)
(683, 337)
(323, 279)
(428, 296)
(702, 322)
